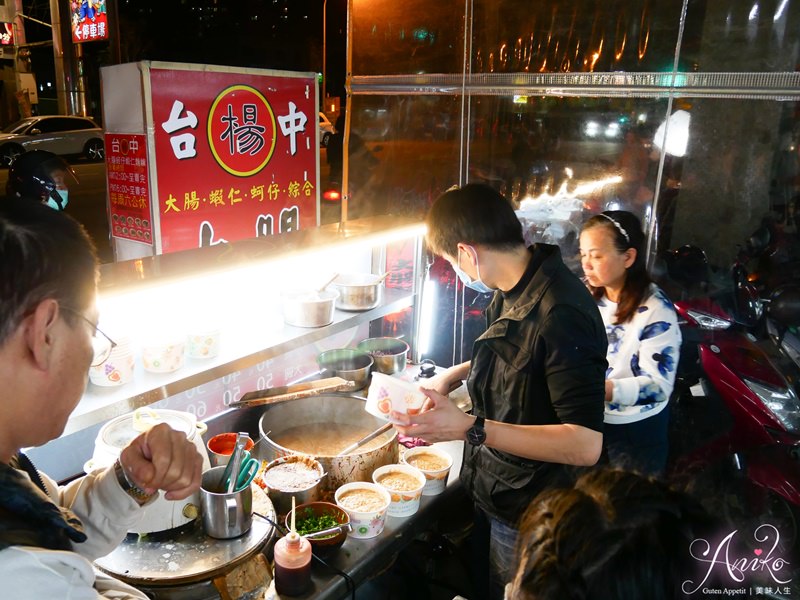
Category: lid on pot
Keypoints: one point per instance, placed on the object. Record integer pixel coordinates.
(119, 432)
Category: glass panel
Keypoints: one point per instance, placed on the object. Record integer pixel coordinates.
(403, 153)
(560, 159)
(574, 36)
(416, 36)
(738, 36)
(741, 167)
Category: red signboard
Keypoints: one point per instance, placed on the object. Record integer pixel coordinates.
(6, 34)
(89, 20)
(128, 192)
(236, 155)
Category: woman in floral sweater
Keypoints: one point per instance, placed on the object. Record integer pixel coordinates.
(643, 341)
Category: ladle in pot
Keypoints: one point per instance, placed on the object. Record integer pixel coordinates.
(367, 438)
(327, 283)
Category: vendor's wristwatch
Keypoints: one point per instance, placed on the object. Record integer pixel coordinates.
(129, 487)
(476, 435)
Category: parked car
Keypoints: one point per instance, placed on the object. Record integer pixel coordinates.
(64, 135)
(326, 130)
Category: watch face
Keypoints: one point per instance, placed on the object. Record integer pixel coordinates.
(476, 435)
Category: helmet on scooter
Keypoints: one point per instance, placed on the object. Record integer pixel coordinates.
(784, 305)
(688, 264)
(42, 176)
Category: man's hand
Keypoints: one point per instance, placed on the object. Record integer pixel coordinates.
(163, 459)
(440, 420)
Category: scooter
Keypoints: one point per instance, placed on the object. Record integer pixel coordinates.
(753, 412)
(783, 321)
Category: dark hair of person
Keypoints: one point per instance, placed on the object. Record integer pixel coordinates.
(43, 254)
(637, 280)
(473, 214)
(616, 535)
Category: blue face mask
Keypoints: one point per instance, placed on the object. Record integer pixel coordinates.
(51, 202)
(477, 284)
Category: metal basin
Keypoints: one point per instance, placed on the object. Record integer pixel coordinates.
(358, 291)
(389, 353)
(347, 363)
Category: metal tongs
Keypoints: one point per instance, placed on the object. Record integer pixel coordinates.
(231, 473)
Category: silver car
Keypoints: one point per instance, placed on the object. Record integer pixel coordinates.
(65, 135)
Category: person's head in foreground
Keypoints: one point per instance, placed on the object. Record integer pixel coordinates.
(43, 176)
(616, 535)
(48, 274)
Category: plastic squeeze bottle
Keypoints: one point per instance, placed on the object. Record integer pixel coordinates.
(292, 562)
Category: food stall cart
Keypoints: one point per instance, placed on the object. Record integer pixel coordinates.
(239, 288)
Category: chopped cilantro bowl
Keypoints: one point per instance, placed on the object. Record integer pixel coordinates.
(308, 521)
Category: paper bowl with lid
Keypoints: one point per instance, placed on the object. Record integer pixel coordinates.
(433, 463)
(367, 504)
(404, 484)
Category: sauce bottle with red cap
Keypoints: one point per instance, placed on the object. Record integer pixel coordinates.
(292, 562)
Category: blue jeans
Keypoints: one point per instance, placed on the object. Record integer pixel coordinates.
(494, 554)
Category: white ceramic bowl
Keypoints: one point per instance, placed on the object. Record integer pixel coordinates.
(388, 393)
(365, 523)
(405, 502)
(435, 478)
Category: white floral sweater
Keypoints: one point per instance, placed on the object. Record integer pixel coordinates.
(642, 358)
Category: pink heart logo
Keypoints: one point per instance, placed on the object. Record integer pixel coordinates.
(758, 551)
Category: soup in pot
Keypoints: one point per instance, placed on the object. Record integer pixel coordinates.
(326, 439)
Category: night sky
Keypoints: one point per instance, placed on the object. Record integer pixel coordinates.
(269, 34)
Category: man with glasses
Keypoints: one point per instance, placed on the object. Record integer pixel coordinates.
(48, 340)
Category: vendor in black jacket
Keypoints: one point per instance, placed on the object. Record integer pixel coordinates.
(536, 378)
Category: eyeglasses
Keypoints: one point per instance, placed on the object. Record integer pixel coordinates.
(102, 345)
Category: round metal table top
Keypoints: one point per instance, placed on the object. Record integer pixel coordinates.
(187, 554)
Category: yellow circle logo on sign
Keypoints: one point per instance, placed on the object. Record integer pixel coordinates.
(241, 130)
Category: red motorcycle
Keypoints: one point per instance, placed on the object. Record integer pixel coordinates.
(736, 415)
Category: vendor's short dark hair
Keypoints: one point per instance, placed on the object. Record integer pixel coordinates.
(44, 254)
(473, 214)
(616, 535)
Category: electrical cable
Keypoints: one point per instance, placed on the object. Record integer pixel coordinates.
(348, 581)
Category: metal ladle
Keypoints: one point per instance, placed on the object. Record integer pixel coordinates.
(367, 438)
(327, 283)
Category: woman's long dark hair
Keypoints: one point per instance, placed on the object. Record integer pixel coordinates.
(621, 223)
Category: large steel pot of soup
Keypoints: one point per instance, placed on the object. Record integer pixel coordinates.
(322, 426)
